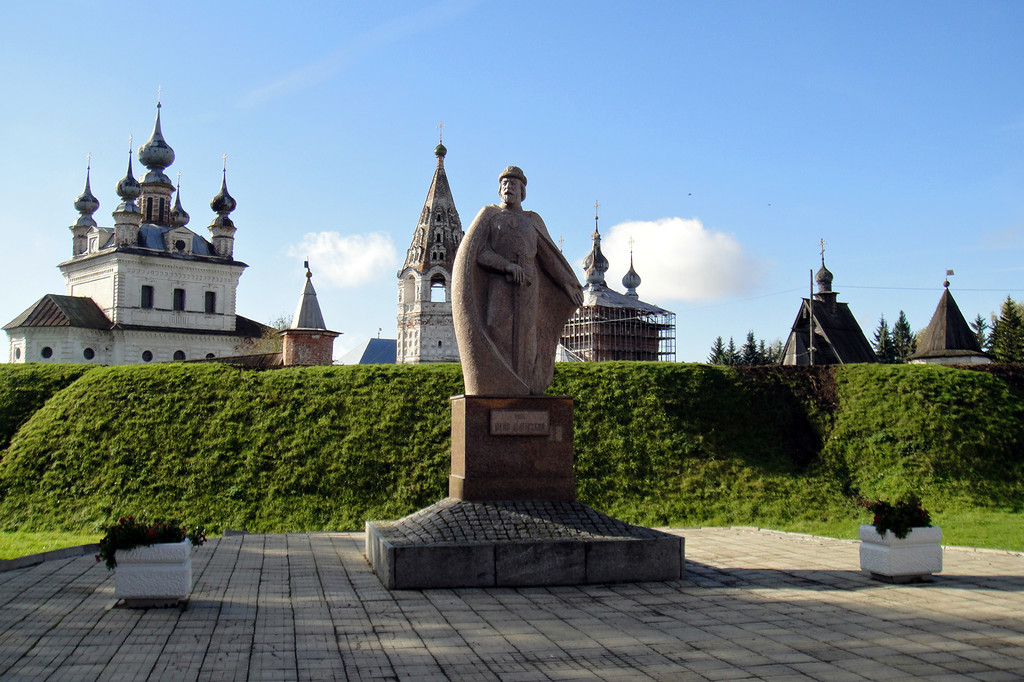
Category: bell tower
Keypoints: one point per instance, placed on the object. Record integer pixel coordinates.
(426, 332)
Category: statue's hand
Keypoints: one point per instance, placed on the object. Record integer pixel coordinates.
(515, 273)
(575, 292)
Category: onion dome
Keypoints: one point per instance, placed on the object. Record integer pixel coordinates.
(86, 204)
(179, 218)
(595, 264)
(128, 189)
(631, 280)
(440, 150)
(156, 154)
(223, 203)
(824, 279)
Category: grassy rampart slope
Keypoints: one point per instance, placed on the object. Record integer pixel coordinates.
(328, 448)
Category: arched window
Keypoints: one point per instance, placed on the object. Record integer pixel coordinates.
(437, 292)
(409, 290)
(179, 355)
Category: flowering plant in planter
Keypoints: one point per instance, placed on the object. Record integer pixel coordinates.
(128, 534)
(899, 517)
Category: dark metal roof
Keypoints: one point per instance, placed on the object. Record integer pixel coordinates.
(602, 296)
(948, 335)
(53, 310)
(375, 352)
(251, 361)
(835, 324)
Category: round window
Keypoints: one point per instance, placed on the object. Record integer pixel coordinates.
(147, 355)
(89, 353)
(210, 356)
(17, 354)
(179, 245)
(179, 355)
(47, 352)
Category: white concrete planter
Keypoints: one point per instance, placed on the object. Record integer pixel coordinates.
(155, 575)
(911, 559)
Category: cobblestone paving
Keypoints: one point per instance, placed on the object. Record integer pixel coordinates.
(458, 522)
(753, 605)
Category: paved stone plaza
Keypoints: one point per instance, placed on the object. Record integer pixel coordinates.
(753, 605)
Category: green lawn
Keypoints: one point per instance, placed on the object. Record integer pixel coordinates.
(17, 544)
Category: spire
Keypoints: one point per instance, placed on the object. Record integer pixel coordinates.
(223, 203)
(156, 154)
(595, 264)
(823, 277)
(631, 280)
(222, 229)
(439, 229)
(86, 204)
(179, 218)
(128, 188)
(307, 313)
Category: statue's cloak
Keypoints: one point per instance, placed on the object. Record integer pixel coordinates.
(486, 368)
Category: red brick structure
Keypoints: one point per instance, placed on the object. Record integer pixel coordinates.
(308, 341)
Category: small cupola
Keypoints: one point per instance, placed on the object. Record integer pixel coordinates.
(595, 264)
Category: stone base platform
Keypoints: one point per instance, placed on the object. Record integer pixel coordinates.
(459, 543)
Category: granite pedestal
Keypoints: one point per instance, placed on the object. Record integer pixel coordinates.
(511, 517)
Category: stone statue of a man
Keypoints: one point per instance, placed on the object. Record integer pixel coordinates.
(512, 293)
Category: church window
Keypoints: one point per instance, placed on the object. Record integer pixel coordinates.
(147, 355)
(149, 209)
(211, 302)
(437, 292)
(147, 296)
(179, 355)
(437, 237)
(210, 356)
(47, 352)
(17, 353)
(88, 353)
(179, 245)
(179, 299)
(163, 205)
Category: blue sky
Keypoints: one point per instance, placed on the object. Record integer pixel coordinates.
(725, 138)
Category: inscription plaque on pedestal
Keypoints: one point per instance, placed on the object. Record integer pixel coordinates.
(520, 422)
(512, 448)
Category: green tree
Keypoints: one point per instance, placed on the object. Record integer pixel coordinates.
(903, 340)
(1008, 333)
(980, 327)
(732, 356)
(717, 356)
(748, 352)
(885, 351)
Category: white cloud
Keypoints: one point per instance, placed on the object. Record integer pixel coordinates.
(347, 260)
(680, 259)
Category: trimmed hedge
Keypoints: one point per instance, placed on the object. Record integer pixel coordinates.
(328, 448)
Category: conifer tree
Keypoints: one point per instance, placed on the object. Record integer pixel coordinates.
(1008, 333)
(748, 353)
(885, 351)
(903, 341)
(717, 356)
(980, 328)
(732, 356)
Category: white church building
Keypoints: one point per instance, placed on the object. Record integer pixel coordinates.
(148, 289)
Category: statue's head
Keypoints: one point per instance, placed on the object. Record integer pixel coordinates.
(512, 176)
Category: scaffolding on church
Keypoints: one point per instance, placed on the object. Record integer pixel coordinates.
(598, 333)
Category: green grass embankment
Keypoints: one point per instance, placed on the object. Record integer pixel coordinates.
(659, 444)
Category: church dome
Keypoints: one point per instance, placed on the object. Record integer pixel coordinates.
(86, 204)
(179, 218)
(631, 280)
(595, 264)
(156, 154)
(223, 202)
(824, 279)
(128, 187)
(440, 150)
